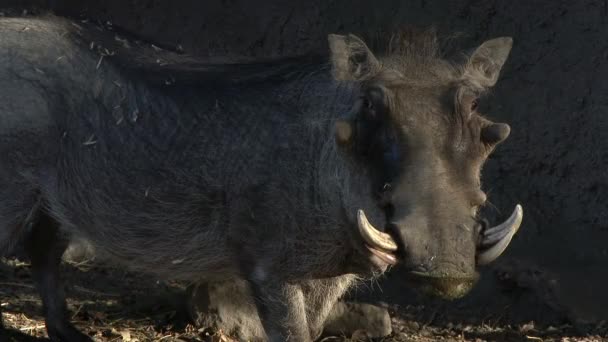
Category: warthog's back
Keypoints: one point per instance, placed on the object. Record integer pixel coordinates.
(130, 164)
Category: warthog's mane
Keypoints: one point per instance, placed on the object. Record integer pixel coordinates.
(156, 62)
(415, 56)
(419, 54)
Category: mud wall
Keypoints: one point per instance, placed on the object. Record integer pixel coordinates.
(553, 93)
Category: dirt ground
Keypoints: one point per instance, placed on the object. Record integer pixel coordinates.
(114, 305)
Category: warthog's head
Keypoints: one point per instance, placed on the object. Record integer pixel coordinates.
(417, 132)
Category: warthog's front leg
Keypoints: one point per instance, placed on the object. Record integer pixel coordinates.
(321, 297)
(281, 309)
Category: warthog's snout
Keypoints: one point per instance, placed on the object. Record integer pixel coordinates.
(443, 286)
(436, 264)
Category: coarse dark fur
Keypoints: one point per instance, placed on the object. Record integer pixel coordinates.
(213, 180)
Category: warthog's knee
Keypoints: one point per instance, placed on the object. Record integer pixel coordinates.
(346, 318)
(228, 306)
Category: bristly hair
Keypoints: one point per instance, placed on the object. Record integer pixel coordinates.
(412, 42)
(417, 54)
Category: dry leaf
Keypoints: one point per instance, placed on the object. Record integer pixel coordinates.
(126, 335)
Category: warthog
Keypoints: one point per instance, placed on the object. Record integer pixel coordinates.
(299, 182)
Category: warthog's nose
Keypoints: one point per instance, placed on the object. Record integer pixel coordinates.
(438, 259)
(446, 287)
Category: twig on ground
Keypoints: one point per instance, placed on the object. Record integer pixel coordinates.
(17, 285)
(97, 293)
(30, 328)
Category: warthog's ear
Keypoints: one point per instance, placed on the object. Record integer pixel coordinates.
(487, 60)
(351, 58)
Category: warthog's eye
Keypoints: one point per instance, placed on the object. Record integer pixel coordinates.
(369, 110)
(374, 103)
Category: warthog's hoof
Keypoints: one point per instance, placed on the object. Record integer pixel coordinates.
(228, 306)
(80, 251)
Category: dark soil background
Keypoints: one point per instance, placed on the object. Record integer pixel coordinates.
(553, 92)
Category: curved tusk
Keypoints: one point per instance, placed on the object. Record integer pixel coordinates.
(493, 235)
(373, 236)
(499, 237)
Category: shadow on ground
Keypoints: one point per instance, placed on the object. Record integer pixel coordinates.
(110, 304)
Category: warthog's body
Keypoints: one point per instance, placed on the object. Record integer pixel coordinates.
(191, 182)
